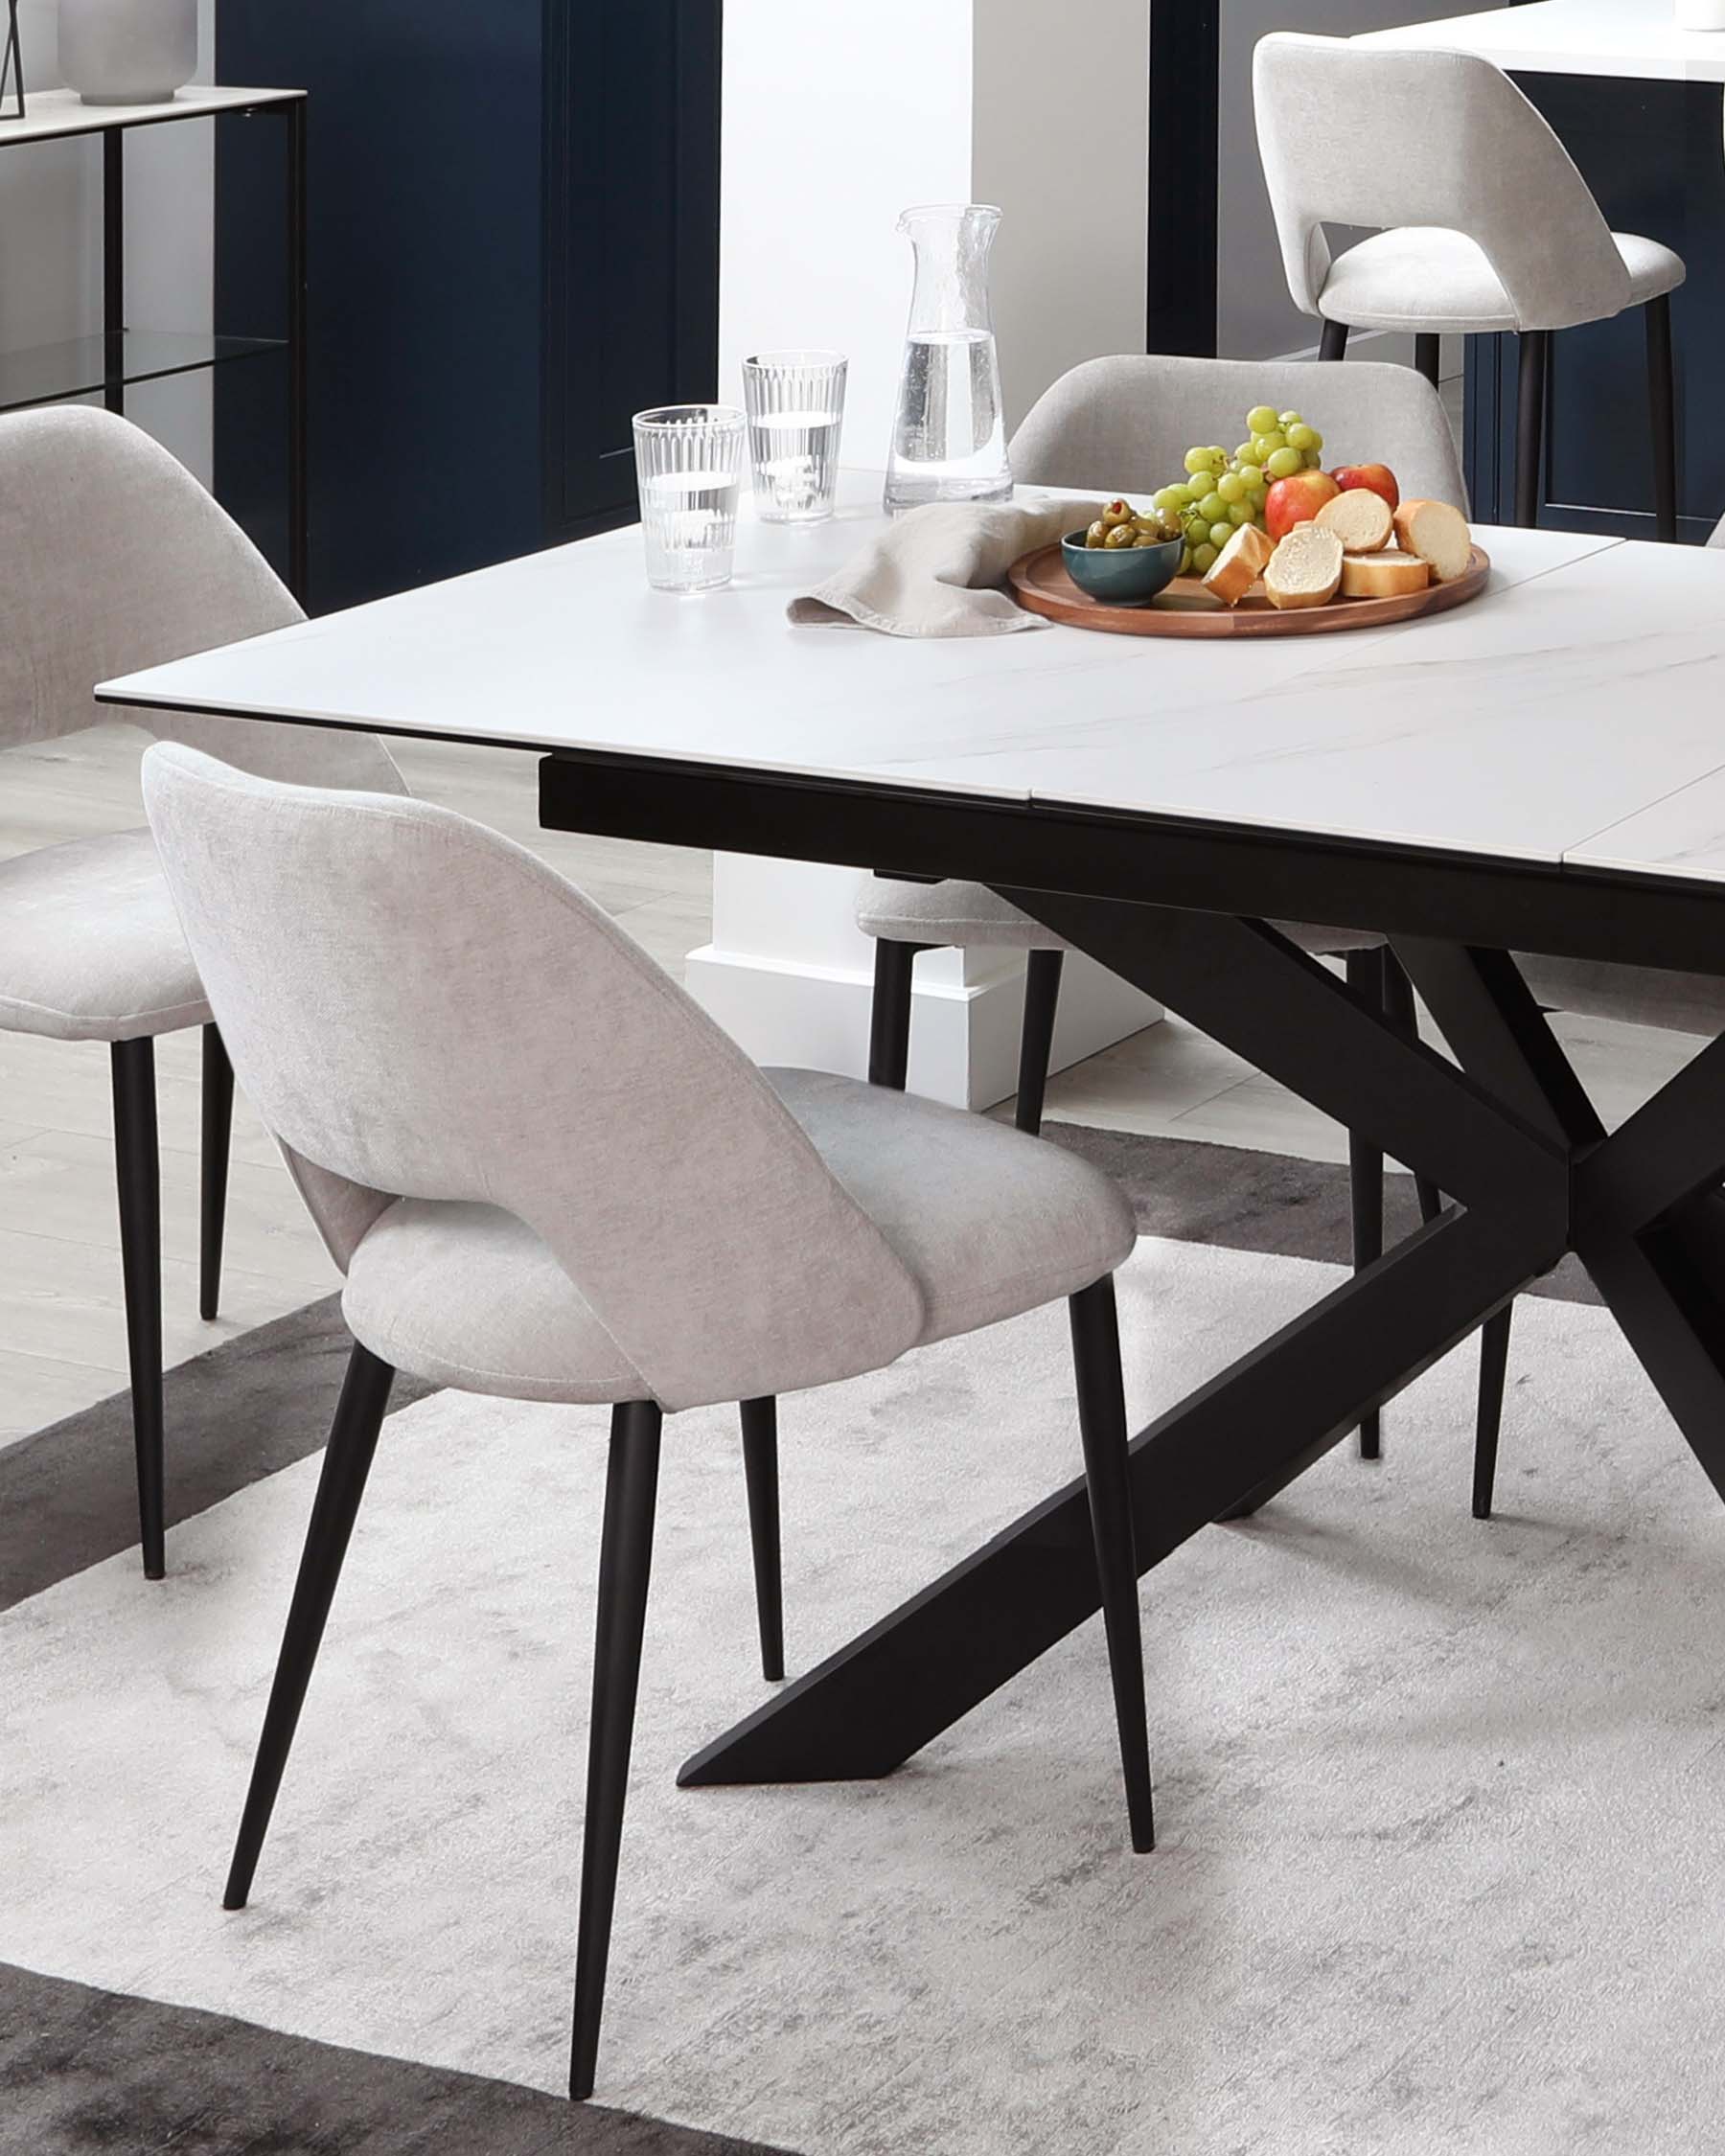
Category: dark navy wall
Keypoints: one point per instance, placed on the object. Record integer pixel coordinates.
(513, 244)
(1652, 154)
(426, 182)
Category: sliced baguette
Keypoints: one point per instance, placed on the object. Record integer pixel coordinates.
(1306, 570)
(1239, 565)
(1437, 533)
(1359, 519)
(1384, 576)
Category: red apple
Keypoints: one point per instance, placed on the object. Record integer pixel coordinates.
(1297, 501)
(1377, 478)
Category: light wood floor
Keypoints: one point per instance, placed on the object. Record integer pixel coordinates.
(62, 1333)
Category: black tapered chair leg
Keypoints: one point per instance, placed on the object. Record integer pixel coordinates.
(760, 1474)
(218, 1129)
(1399, 1009)
(1662, 407)
(1529, 422)
(341, 1484)
(1333, 342)
(1428, 355)
(1107, 1467)
(625, 1563)
(137, 1162)
(1494, 1364)
(1036, 1042)
(890, 1014)
(1366, 1170)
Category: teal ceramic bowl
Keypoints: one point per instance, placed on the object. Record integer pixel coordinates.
(1126, 576)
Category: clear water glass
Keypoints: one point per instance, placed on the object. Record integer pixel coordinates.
(795, 406)
(688, 469)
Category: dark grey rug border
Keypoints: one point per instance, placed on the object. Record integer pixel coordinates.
(84, 2072)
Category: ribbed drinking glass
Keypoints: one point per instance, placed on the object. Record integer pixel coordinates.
(688, 469)
(795, 405)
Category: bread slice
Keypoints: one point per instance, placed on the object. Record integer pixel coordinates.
(1437, 533)
(1306, 570)
(1384, 576)
(1239, 565)
(1359, 519)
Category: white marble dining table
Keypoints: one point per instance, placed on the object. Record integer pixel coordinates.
(1542, 769)
(1637, 40)
(1381, 735)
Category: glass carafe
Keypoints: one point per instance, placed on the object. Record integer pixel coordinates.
(949, 443)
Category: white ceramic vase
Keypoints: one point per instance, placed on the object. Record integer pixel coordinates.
(127, 51)
(1701, 14)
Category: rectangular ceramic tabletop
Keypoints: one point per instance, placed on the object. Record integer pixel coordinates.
(1565, 700)
(1636, 39)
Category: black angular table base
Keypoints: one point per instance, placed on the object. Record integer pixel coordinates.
(1510, 1136)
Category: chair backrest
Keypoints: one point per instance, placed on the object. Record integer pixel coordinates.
(1128, 422)
(1369, 135)
(420, 1008)
(116, 559)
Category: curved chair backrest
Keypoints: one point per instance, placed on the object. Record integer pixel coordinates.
(1128, 422)
(1368, 136)
(116, 559)
(420, 1008)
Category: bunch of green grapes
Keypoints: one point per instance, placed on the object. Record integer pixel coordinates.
(1221, 493)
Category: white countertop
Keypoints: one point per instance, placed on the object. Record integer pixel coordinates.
(1580, 691)
(63, 112)
(1637, 40)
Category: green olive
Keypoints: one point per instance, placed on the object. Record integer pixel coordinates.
(1096, 534)
(1149, 539)
(1113, 513)
(1120, 535)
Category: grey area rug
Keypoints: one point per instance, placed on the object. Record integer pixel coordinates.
(1437, 1801)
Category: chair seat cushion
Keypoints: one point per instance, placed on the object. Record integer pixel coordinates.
(1636, 995)
(1421, 278)
(970, 917)
(988, 1222)
(91, 944)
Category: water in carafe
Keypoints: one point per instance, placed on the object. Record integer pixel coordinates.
(949, 443)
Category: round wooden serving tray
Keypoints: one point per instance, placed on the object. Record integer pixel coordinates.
(1041, 584)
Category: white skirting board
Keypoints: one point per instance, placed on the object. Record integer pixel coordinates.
(964, 1036)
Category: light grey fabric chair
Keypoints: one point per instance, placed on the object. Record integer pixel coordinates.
(547, 1174)
(115, 558)
(1123, 426)
(1479, 222)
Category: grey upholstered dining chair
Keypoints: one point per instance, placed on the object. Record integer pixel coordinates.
(1479, 222)
(115, 558)
(1124, 424)
(620, 1208)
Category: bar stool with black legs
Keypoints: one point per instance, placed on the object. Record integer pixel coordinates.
(1479, 225)
(619, 1212)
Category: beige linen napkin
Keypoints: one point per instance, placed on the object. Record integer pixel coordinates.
(937, 571)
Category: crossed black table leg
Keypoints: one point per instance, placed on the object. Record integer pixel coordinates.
(1530, 1174)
